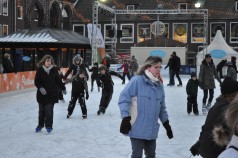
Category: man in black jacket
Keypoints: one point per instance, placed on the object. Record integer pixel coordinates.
(175, 68)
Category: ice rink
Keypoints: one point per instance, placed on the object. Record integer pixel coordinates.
(96, 136)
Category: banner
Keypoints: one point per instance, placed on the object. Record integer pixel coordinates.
(92, 29)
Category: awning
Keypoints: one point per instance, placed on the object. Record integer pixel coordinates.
(45, 38)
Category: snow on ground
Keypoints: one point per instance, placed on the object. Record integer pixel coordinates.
(95, 137)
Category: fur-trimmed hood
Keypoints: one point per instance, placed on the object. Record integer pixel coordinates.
(77, 58)
(222, 135)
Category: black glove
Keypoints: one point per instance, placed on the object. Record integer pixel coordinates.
(201, 85)
(125, 125)
(87, 96)
(64, 92)
(195, 148)
(168, 129)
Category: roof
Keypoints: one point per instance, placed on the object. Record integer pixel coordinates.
(44, 38)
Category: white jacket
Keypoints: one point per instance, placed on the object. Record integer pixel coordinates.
(231, 152)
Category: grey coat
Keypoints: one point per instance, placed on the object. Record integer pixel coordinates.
(207, 75)
(231, 72)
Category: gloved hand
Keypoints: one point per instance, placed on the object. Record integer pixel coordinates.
(42, 91)
(64, 92)
(195, 149)
(168, 129)
(87, 96)
(125, 125)
(201, 85)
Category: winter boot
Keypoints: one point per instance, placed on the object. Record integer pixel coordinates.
(204, 109)
(91, 89)
(49, 129)
(99, 112)
(103, 111)
(84, 116)
(38, 129)
(98, 89)
(209, 104)
(68, 116)
(180, 85)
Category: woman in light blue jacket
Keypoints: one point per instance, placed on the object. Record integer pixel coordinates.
(142, 103)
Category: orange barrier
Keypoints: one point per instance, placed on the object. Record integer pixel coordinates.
(19, 81)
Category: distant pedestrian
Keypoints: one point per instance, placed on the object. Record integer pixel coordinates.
(47, 81)
(171, 80)
(231, 72)
(175, 66)
(7, 64)
(220, 66)
(94, 75)
(126, 71)
(233, 60)
(133, 66)
(207, 82)
(192, 90)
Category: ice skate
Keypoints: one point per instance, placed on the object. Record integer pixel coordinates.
(204, 110)
(91, 89)
(209, 106)
(98, 89)
(38, 129)
(180, 85)
(49, 129)
(68, 116)
(99, 112)
(84, 116)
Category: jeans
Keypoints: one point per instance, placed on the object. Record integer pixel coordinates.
(45, 118)
(138, 145)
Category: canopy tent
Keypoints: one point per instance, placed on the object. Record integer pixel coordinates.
(45, 38)
(218, 49)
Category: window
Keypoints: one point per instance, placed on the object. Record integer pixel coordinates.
(19, 12)
(5, 30)
(109, 32)
(234, 32)
(182, 6)
(5, 8)
(130, 7)
(127, 33)
(214, 26)
(79, 28)
(143, 32)
(0, 30)
(236, 6)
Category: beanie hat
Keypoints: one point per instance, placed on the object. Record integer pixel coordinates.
(229, 86)
(207, 56)
(174, 53)
(193, 74)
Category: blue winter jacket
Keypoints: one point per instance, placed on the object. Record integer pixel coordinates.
(150, 106)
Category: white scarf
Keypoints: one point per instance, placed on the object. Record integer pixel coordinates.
(47, 69)
(151, 76)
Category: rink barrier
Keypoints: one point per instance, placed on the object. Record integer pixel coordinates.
(19, 81)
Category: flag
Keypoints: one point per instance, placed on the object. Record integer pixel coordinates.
(100, 43)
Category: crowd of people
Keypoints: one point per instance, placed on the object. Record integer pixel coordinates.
(218, 136)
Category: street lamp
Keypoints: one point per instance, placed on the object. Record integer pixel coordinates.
(197, 5)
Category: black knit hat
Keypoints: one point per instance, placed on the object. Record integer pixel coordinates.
(229, 86)
(193, 74)
(207, 56)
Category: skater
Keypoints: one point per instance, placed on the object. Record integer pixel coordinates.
(231, 72)
(76, 66)
(47, 81)
(171, 80)
(61, 97)
(133, 66)
(228, 135)
(142, 103)
(7, 64)
(175, 69)
(233, 60)
(126, 71)
(220, 66)
(79, 89)
(206, 78)
(94, 75)
(106, 83)
(205, 146)
(192, 91)
(106, 62)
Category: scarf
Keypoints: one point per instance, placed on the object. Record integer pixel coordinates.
(151, 77)
(47, 69)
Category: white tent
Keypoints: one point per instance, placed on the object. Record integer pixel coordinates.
(218, 49)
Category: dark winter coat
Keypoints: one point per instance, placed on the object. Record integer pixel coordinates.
(207, 74)
(7, 66)
(169, 64)
(192, 87)
(221, 65)
(75, 68)
(175, 64)
(134, 65)
(79, 85)
(94, 71)
(215, 117)
(105, 81)
(231, 72)
(50, 82)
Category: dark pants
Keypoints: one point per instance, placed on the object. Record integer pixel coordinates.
(106, 98)
(124, 76)
(73, 101)
(171, 78)
(46, 112)
(61, 97)
(92, 81)
(205, 94)
(138, 145)
(173, 73)
(192, 104)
